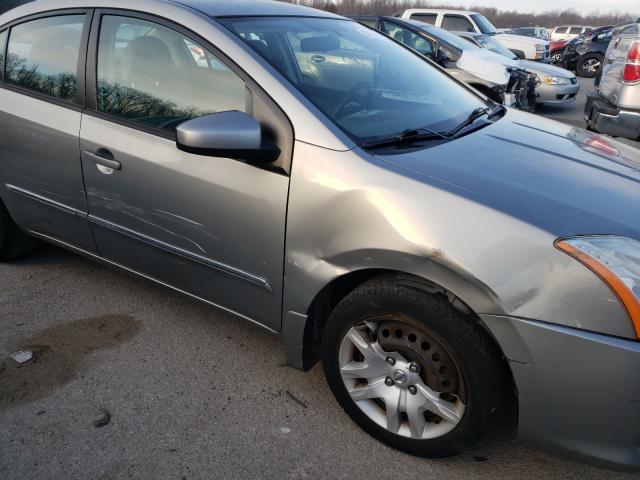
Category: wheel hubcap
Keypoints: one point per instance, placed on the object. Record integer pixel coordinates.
(402, 378)
(592, 65)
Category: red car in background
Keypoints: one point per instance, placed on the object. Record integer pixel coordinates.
(555, 49)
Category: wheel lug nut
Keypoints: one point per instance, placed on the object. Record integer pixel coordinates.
(391, 360)
(388, 381)
(412, 390)
(413, 368)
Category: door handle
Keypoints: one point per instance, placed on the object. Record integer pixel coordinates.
(103, 161)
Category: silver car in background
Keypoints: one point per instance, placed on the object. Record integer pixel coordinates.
(556, 86)
(614, 106)
(438, 251)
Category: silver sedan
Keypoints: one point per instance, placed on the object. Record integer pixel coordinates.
(556, 85)
(437, 251)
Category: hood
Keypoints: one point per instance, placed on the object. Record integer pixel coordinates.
(487, 65)
(545, 69)
(562, 179)
(521, 39)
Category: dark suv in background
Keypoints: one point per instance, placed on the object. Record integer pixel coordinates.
(585, 54)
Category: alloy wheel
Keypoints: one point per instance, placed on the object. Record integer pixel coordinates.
(592, 65)
(403, 378)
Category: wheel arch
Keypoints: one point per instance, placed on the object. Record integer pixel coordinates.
(302, 333)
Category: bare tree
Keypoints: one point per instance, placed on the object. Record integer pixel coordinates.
(500, 18)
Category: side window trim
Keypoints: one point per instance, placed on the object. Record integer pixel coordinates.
(255, 94)
(79, 103)
(4, 47)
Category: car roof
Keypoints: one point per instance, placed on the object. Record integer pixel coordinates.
(252, 8)
(211, 8)
(439, 10)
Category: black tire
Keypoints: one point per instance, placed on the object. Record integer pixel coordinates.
(583, 66)
(13, 243)
(475, 354)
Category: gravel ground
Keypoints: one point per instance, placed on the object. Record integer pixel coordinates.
(192, 393)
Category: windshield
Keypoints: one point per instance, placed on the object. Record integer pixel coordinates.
(448, 37)
(492, 44)
(366, 83)
(484, 25)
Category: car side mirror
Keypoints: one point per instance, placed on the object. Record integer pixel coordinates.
(231, 134)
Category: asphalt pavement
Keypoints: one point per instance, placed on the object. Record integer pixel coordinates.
(132, 380)
(573, 113)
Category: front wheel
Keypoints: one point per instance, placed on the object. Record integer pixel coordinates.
(589, 66)
(410, 369)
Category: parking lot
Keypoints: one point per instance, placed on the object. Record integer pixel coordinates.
(573, 114)
(188, 392)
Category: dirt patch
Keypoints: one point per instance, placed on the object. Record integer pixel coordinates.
(60, 356)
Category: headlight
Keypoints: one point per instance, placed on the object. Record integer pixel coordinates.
(556, 81)
(616, 260)
(540, 48)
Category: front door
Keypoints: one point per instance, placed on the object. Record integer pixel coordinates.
(212, 227)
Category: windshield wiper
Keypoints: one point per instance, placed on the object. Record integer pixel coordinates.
(473, 116)
(406, 137)
(412, 135)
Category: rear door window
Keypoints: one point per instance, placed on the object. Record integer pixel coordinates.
(410, 39)
(425, 17)
(43, 55)
(457, 23)
(575, 30)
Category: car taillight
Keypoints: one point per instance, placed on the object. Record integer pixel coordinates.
(632, 66)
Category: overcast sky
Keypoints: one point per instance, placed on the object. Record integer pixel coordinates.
(584, 6)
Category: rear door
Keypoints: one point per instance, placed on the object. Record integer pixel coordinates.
(212, 227)
(41, 98)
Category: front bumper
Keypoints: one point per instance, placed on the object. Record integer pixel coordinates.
(557, 94)
(604, 117)
(578, 391)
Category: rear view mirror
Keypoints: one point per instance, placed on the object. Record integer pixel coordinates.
(231, 134)
(320, 44)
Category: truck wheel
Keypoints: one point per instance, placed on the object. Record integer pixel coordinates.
(410, 369)
(589, 65)
(13, 243)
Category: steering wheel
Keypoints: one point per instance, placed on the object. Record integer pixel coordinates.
(350, 95)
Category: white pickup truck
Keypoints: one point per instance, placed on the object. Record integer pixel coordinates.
(464, 21)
